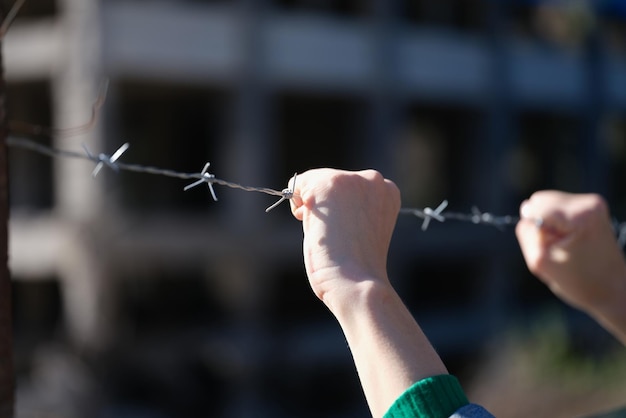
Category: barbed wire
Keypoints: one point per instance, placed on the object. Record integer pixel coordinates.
(475, 217)
(112, 162)
(427, 214)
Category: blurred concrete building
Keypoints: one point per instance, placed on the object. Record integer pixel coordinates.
(134, 298)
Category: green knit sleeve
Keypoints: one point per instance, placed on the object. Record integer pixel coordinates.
(434, 397)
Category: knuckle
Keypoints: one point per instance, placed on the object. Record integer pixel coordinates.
(537, 263)
(597, 204)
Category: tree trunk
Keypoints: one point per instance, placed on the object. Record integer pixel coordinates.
(7, 385)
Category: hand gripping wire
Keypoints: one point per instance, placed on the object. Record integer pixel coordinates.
(287, 194)
(207, 178)
(103, 159)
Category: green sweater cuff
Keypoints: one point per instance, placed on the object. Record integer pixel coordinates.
(434, 397)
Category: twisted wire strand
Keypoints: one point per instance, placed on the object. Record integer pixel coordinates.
(476, 217)
(34, 146)
(188, 176)
(37, 147)
(483, 218)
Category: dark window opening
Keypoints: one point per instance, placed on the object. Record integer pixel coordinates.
(615, 129)
(30, 174)
(435, 156)
(316, 131)
(37, 318)
(174, 301)
(456, 14)
(437, 284)
(341, 8)
(314, 390)
(293, 303)
(170, 127)
(550, 154)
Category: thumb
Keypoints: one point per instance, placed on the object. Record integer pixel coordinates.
(295, 203)
(553, 223)
(529, 238)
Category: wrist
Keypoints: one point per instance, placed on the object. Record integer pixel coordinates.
(377, 325)
(355, 296)
(614, 305)
(612, 313)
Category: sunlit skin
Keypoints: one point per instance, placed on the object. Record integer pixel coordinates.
(575, 253)
(348, 219)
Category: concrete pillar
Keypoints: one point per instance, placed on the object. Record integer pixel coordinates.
(79, 198)
(74, 90)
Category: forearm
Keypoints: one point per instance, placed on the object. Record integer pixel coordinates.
(390, 350)
(348, 220)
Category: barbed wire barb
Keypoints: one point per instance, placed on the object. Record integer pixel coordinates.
(287, 194)
(103, 159)
(207, 178)
(427, 214)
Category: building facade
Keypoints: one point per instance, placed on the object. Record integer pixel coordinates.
(135, 298)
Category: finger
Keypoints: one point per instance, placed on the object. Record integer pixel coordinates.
(548, 218)
(534, 245)
(295, 203)
(529, 238)
(395, 193)
(529, 214)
